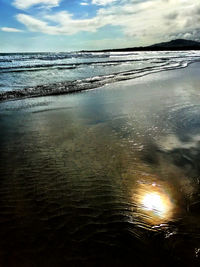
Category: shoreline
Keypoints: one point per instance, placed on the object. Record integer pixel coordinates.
(192, 71)
(76, 86)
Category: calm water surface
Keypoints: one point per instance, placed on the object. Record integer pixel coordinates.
(108, 177)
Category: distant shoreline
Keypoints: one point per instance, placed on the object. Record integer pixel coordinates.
(143, 49)
(129, 49)
(173, 45)
(140, 49)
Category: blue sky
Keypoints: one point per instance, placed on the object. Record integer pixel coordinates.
(66, 25)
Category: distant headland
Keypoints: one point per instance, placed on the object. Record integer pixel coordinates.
(173, 45)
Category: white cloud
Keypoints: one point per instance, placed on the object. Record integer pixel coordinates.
(84, 4)
(24, 4)
(65, 24)
(147, 22)
(102, 2)
(7, 29)
(36, 25)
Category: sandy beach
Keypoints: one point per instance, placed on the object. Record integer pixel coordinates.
(80, 173)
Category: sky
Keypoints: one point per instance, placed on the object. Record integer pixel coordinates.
(68, 25)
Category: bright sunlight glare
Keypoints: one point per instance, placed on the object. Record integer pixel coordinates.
(155, 203)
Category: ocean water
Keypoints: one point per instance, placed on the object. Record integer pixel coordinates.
(105, 177)
(35, 74)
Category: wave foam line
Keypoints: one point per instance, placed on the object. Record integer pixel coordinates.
(85, 84)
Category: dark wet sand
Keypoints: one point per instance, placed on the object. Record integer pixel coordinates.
(107, 177)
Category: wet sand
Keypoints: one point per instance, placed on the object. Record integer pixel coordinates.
(106, 177)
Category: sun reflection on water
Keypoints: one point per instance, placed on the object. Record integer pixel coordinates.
(154, 203)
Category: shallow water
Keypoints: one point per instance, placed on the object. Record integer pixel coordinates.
(41, 74)
(105, 177)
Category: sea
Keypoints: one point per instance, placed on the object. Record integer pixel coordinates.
(101, 177)
(55, 73)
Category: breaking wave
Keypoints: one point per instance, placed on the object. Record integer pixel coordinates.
(26, 75)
